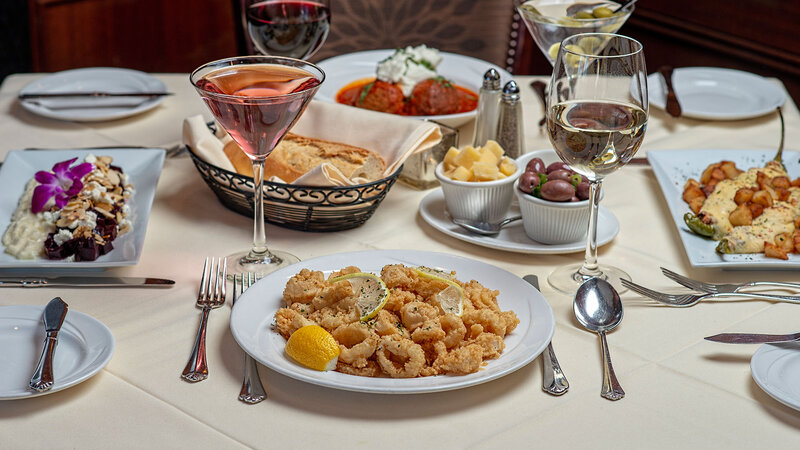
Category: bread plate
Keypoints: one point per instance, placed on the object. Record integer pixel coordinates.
(462, 70)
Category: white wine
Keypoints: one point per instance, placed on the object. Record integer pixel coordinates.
(596, 138)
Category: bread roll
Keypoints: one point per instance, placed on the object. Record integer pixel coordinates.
(295, 155)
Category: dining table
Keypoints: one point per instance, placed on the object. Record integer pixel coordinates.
(681, 391)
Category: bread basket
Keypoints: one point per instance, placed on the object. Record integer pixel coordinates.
(305, 208)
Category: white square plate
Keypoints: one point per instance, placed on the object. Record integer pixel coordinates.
(674, 167)
(143, 167)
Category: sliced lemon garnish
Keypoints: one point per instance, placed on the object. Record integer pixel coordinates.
(313, 347)
(451, 298)
(371, 291)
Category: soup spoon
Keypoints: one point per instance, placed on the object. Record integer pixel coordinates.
(598, 308)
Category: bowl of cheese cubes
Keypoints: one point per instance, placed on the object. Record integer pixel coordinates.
(478, 182)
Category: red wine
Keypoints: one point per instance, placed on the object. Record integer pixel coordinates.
(288, 28)
(596, 138)
(260, 112)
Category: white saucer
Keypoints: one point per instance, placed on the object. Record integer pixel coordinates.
(718, 94)
(776, 369)
(95, 79)
(85, 346)
(512, 237)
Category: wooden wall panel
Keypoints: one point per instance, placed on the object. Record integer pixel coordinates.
(148, 35)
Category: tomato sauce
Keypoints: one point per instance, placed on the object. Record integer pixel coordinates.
(435, 96)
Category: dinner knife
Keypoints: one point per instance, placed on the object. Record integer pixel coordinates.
(100, 282)
(40, 95)
(672, 107)
(752, 338)
(553, 379)
(54, 314)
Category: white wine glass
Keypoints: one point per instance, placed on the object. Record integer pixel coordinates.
(597, 110)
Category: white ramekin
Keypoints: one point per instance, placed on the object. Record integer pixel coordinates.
(484, 201)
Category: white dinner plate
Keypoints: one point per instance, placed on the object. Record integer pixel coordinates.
(85, 346)
(94, 79)
(253, 314)
(512, 237)
(673, 167)
(143, 167)
(462, 70)
(776, 369)
(718, 94)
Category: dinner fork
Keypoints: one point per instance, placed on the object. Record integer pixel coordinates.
(197, 369)
(717, 288)
(684, 300)
(252, 391)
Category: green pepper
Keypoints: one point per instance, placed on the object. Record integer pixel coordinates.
(698, 226)
(724, 247)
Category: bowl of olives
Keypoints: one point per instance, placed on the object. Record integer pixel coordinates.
(552, 198)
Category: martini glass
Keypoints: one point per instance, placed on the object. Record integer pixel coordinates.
(596, 119)
(552, 21)
(256, 99)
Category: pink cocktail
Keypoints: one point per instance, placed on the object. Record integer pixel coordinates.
(256, 99)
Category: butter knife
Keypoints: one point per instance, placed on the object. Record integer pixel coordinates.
(752, 338)
(553, 379)
(673, 107)
(54, 313)
(100, 282)
(42, 95)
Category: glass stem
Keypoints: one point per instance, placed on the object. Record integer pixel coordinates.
(589, 267)
(259, 233)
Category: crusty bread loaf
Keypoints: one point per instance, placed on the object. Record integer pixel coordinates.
(295, 155)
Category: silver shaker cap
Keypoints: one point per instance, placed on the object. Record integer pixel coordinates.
(491, 80)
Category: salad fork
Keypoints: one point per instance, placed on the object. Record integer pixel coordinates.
(252, 391)
(684, 300)
(717, 288)
(197, 368)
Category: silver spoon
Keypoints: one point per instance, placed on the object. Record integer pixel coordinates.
(484, 228)
(598, 308)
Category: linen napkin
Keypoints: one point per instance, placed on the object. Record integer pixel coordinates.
(395, 138)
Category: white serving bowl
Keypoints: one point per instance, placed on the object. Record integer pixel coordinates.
(483, 201)
(550, 222)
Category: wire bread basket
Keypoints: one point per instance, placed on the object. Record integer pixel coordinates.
(305, 208)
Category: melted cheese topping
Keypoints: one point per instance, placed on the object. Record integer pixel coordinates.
(777, 219)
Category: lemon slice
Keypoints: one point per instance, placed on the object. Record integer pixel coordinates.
(451, 298)
(371, 290)
(313, 347)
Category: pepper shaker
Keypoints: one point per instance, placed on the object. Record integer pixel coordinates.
(509, 126)
(488, 104)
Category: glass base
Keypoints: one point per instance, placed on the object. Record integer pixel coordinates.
(244, 262)
(567, 279)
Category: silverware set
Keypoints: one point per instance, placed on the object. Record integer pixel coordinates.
(212, 295)
(707, 291)
(553, 379)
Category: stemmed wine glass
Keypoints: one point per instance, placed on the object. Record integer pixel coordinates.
(256, 99)
(293, 28)
(596, 118)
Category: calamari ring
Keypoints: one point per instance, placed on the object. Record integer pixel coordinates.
(356, 343)
(400, 358)
(415, 314)
(430, 331)
(371, 369)
(454, 329)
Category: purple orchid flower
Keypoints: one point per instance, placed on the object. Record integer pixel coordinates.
(61, 184)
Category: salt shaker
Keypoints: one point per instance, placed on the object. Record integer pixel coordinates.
(509, 125)
(488, 104)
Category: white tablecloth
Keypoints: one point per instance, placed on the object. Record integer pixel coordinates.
(682, 391)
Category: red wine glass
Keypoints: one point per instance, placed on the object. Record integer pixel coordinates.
(256, 99)
(293, 28)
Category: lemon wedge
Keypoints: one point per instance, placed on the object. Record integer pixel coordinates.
(451, 298)
(313, 347)
(371, 291)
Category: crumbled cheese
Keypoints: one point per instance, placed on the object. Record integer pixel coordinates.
(62, 236)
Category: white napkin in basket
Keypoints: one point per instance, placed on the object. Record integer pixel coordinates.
(395, 138)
